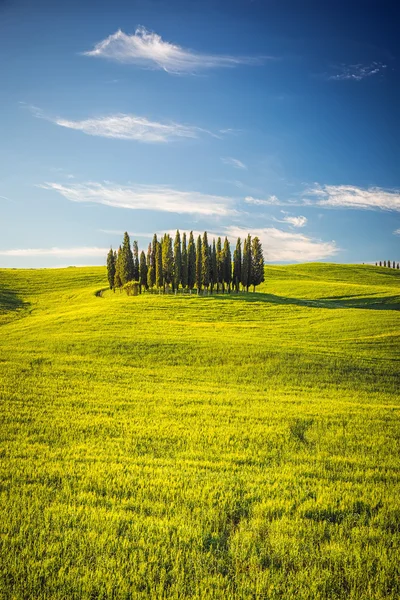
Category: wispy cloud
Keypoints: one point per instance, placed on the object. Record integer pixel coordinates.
(127, 127)
(299, 221)
(146, 197)
(233, 162)
(356, 72)
(61, 252)
(287, 246)
(147, 49)
(350, 196)
(396, 232)
(269, 201)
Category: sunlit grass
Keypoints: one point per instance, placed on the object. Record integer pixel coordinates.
(240, 446)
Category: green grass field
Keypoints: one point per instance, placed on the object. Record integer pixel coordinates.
(243, 446)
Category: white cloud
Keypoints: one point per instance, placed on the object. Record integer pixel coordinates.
(299, 221)
(66, 252)
(396, 232)
(286, 246)
(270, 200)
(146, 197)
(350, 196)
(233, 162)
(132, 127)
(356, 72)
(147, 49)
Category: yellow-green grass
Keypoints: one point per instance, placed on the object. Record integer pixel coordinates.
(242, 446)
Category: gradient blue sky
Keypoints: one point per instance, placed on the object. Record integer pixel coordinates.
(275, 118)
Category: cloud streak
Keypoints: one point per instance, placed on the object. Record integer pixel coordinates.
(148, 50)
(233, 162)
(299, 221)
(350, 196)
(269, 201)
(356, 72)
(284, 246)
(146, 197)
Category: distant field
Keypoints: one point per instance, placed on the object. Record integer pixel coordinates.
(234, 447)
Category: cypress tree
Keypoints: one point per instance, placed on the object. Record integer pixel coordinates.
(227, 264)
(143, 271)
(219, 265)
(117, 276)
(257, 259)
(167, 260)
(213, 269)
(152, 268)
(184, 274)
(191, 262)
(111, 268)
(148, 256)
(388, 264)
(384, 263)
(126, 266)
(177, 260)
(158, 269)
(237, 264)
(135, 261)
(246, 269)
(380, 263)
(199, 265)
(205, 262)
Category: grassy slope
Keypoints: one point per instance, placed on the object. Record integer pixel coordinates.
(183, 447)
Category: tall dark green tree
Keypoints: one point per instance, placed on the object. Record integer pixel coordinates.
(177, 260)
(135, 261)
(151, 276)
(246, 264)
(117, 276)
(213, 267)
(257, 260)
(205, 262)
(111, 268)
(126, 266)
(143, 271)
(199, 265)
(159, 268)
(237, 264)
(220, 262)
(227, 264)
(148, 257)
(191, 262)
(184, 274)
(167, 260)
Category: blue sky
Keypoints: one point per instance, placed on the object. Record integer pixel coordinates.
(274, 118)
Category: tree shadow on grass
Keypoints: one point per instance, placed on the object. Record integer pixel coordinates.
(335, 302)
(10, 302)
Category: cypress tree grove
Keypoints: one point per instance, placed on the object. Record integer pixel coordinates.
(184, 273)
(117, 276)
(199, 265)
(227, 264)
(213, 268)
(219, 280)
(135, 261)
(159, 270)
(143, 271)
(257, 260)
(237, 264)
(191, 262)
(205, 262)
(167, 260)
(177, 260)
(111, 268)
(126, 266)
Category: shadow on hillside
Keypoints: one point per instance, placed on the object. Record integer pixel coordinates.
(369, 303)
(9, 301)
